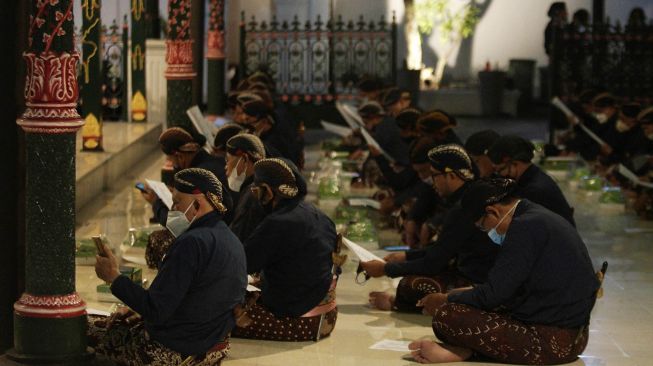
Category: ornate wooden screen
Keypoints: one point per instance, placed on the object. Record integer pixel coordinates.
(314, 62)
(606, 57)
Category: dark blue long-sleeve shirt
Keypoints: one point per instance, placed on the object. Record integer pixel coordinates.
(537, 186)
(292, 248)
(189, 305)
(542, 275)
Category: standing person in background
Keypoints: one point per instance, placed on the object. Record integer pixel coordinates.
(557, 21)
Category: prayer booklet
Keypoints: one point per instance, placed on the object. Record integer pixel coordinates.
(201, 125)
(363, 254)
(161, 191)
(250, 287)
(352, 118)
(633, 177)
(369, 202)
(372, 142)
(638, 230)
(337, 129)
(98, 312)
(391, 345)
(564, 109)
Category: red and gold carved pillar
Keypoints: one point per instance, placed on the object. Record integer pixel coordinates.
(215, 56)
(50, 317)
(179, 57)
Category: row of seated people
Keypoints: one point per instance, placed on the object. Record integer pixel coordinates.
(553, 307)
(198, 298)
(626, 133)
(237, 211)
(502, 269)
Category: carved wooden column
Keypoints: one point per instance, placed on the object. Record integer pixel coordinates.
(215, 56)
(179, 56)
(50, 317)
(91, 83)
(139, 30)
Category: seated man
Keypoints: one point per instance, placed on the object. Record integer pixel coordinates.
(188, 310)
(438, 125)
(395, 100)
(477, 146)
(185, 152)
(535, 306)
(428, 270)
(223, 135)
(385, 131)
(243, 151)
(292, 248)
(512, 157)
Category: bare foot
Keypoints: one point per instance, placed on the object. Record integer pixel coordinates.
(427, 351)
(382, 300)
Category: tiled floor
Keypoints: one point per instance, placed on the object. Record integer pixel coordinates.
(622, 323)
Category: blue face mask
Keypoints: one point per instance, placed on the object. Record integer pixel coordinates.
(494, 234)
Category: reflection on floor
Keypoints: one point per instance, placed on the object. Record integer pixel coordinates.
(620, 332)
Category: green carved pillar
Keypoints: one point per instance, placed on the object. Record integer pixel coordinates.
(152, 19)
(91, 83)
(139, 30)
(179, 56)
(215, 59)
(124, 111)
(50, 317)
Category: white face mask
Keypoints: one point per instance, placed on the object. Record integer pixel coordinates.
(236, 180)
(621, 126)
(177, 223)
(601, 117)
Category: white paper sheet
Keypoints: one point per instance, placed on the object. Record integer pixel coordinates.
(562, 107)
(250, 287)
(369, 202)
(134, 259)
(638, 230)
(352, 121)
(201, 125)
(161, 191)
(591, 134)
(633, 177)
(391, 345)
(337, 129)
(363, 254)
(91, 311)
(372, 142)
(353, 113)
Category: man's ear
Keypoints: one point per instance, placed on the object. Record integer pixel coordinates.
(492, 210)
(268, 195)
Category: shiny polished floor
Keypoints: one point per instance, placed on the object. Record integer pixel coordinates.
(622, 323)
